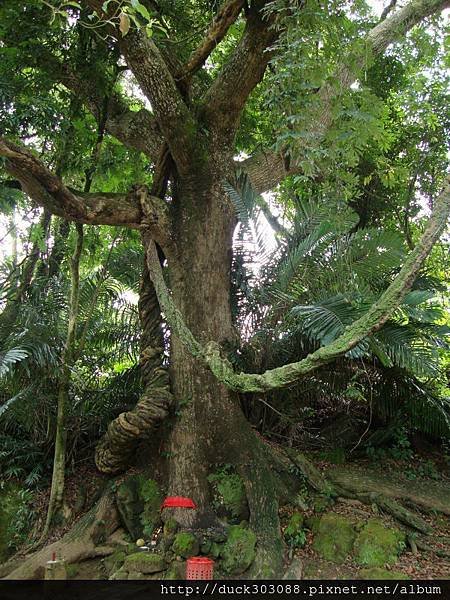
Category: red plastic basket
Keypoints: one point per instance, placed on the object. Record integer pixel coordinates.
(199, 567)
(178, 502)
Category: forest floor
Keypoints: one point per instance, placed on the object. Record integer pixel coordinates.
(414, 482)
(424, 489)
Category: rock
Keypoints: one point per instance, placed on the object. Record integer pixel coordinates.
(114, 561)
(119, 575)
(117, 538)
(144, 562)
(177, 570)
(312, 523)
(131, 505)
(378, 573)
(376, 545)
(229, 496)
(238, 552)
(334, 537)
(133, 575)
(295, 570)
(185, 544)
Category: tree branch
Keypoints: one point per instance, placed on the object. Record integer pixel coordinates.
(227, 15)
(93, 208)
(268, 169)
(135, 129)
(241, 74)
(288, 374)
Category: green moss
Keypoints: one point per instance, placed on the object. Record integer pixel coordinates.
(334, 538)
(376, 545)
(229, 494)
(130, 505)
(72, 570)
(215, 550)
(321, 503)
(151, 496)
(114, 561)
(170, 527)
(294, 533)
(177, 570)
(144, 562)
(377, 573)
(312, 523)
(238, 552)
(185, 545)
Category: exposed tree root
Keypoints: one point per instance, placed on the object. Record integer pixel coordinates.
(427, 497)
(80, 543)
(344, 488)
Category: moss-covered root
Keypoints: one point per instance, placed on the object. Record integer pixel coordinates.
(80, 543)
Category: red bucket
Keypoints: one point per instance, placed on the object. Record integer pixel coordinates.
(178, 502)
(199, 567)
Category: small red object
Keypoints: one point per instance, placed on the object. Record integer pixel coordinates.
(53, 556)
(178, 502)
(199, 567)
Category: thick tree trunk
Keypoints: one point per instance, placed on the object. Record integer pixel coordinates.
(210, 428)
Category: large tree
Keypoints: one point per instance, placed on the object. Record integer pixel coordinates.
(198, 100)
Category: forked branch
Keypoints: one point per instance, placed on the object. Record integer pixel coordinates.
(227, 15)
(136, 209)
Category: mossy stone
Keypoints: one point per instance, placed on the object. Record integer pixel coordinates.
(378, 573)
(185, 545)
(377, 545)
(230, 498)
(144, 562)
(238, 552)
(114, 561)
(177, 570)
(334, 538)
(119, 575)
(312, 523)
